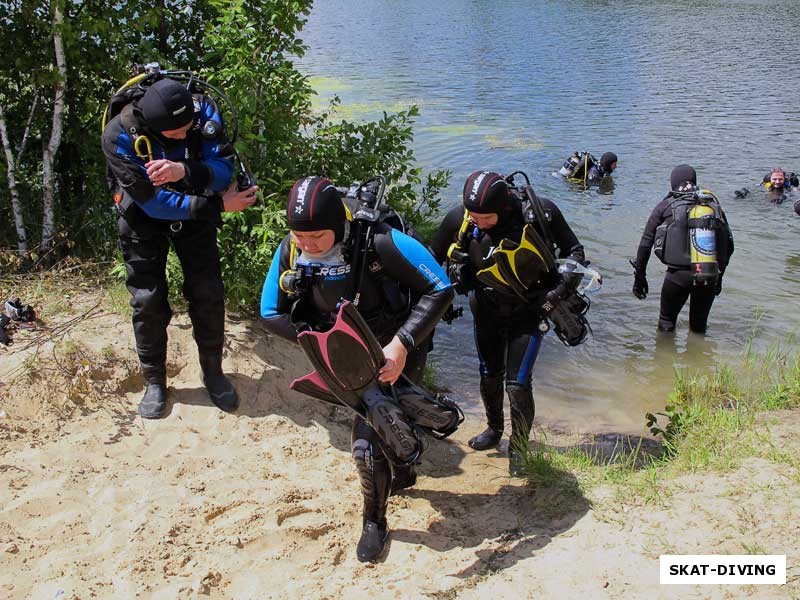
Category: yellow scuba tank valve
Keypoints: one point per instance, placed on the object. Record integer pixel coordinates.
(703, 241)
(457, 252)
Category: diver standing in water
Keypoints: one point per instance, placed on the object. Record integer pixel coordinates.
(377, 295)
(500, 247)
(691, 236)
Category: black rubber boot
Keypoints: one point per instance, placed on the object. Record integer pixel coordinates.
(492, 396)
(522, 412)
(220, 390)
(375, 474)
(153, 404)
(403, 477)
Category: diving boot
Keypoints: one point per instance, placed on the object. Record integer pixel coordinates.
(372, 545)
(153, 404)
(488, 438)
(219, 388)
(403, 477)
(522, 413)
(375, 475)
(492, 396)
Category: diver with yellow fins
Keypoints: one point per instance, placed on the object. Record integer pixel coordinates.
(501, 248)
(690, 234)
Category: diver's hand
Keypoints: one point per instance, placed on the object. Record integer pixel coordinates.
(459, 275)
(640, 287)
(718, 287)
(234, 200)
(395, 353)
(162, 171)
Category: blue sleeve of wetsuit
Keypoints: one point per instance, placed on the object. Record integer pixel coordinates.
(216, 153)
(276, 306)
(413, 266)
(157, 202)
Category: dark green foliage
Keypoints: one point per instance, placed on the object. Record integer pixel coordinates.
(244, 47)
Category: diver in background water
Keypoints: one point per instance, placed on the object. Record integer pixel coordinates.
(777, 184)
(691, 236)
(582, 167)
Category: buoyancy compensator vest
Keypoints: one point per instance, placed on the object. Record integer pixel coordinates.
(339, 275)
(695, 238)
(135, 88)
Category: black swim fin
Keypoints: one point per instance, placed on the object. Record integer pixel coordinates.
(438, 414)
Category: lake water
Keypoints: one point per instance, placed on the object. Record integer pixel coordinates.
(522, 84)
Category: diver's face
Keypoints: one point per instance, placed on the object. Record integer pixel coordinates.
(777, 180)
(178, 134)
(612, 167)
(314, 243)
(483, 221)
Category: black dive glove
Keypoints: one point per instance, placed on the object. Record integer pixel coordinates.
(460, 276)
(640, 287)
(718, 287)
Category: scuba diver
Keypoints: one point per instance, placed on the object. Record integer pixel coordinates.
(500, 247)
(691, 236)
(362, 298)
(583, 168)
(170, 167)
(777, 184)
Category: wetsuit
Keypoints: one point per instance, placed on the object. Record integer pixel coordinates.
(678, 283)
(404, 293)
(506, 329)
(184, 214)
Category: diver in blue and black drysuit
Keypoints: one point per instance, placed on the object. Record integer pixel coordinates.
(508, 330)
(402, 296)
(171, 166)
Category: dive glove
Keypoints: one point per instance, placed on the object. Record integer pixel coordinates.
(640, 287)
(718, 287)
(460, 276)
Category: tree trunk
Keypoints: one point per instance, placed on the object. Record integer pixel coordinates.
(22, 244)
(48, 176)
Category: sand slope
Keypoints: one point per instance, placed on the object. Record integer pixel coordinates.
(265, 503)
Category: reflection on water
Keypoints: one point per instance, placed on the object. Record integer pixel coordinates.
(524, 84)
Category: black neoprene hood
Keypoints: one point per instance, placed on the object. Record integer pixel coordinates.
(682, 174)
(314, 205)
(166, 105)
(486, 192)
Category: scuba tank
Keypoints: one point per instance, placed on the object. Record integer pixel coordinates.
(570, 165)
(703, 242)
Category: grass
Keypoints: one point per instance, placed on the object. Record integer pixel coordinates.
(710, 423)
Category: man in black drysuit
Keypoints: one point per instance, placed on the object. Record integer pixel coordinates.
(508, 331)
(403, 295)
(678, 283)
(172, 168)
